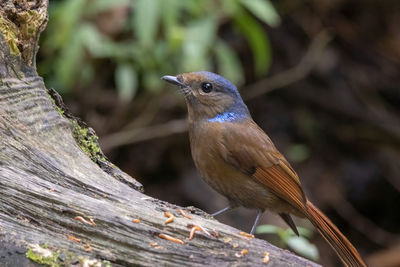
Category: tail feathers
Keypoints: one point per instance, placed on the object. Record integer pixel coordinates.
(342, 246)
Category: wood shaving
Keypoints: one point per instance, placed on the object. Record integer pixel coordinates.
(227, 240)
(170, 217)
(242, 253)
(73, 238)
(136, 220)
(88, 247)
(194, 229)
(201, 229)
(155, 245)
(235, 245)
(81, 219)
(170, 238)
(52, 190)
(266, 257)
(246, 235)
(181, 212)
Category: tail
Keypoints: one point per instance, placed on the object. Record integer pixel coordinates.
(343, 248)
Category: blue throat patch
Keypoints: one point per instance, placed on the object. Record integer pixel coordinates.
(228, 116)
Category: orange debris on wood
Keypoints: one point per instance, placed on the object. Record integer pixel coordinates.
(88, 247)
(181, 212)
(246, 235)
(81, 219)
(242, 253)
(194, 229)
(155, 245)
(266, 257)
(92, 221)
(170, 217)
(170, 238)
(73, 238)
(199, 228)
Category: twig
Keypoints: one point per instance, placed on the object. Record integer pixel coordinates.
(142, 134)
(300, 71)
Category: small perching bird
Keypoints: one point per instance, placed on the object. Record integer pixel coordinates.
(238, 159)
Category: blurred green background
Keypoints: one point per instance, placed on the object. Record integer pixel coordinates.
(321, 77)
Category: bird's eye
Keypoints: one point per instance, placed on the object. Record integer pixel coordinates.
(206, 87)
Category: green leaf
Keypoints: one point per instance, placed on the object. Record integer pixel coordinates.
(64, 18)
(267, 229)
(92, 39)
(104, 5)
(174, 32)
(199, 39)
(145, 20)
(67, 63)
(258, 41)
(228, 63)
(126, 82)
(264, 10)
(303, 247)
(303, 232)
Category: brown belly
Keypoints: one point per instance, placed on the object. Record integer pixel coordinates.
(239, 188)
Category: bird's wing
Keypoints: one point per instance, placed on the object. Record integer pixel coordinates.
(251, 151)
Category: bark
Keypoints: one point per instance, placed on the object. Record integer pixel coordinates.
(62, 201)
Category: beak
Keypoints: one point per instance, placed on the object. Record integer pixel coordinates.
(173, 80)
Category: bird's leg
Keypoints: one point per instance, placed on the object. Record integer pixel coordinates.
(259, 214)
(223, 210)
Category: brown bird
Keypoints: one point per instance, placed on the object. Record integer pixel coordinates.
(239, 160)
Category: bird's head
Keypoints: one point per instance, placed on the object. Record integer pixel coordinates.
(210, 96)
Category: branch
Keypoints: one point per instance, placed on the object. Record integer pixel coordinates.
(290, 76)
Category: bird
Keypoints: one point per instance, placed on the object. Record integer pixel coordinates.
(238, 159)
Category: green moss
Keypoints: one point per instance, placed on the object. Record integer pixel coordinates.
(59, 110)
(21, 30)
(50, 261)
(10, 32)
(88, 142)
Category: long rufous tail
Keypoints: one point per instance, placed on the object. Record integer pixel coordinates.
(342, 246)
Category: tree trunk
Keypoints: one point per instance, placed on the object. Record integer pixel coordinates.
(63, 202)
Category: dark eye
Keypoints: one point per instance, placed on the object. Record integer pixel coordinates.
(206, 87)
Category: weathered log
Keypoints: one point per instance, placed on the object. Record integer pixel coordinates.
(62, 201)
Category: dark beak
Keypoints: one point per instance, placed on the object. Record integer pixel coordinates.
(173, 80)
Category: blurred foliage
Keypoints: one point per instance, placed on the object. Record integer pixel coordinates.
(299, 244)
(144, 39)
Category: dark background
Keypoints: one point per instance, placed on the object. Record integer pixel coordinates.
(320, 77)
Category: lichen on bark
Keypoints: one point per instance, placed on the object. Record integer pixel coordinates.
(21, 25)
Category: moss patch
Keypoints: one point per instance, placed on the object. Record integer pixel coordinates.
(10, 32)
(20, 27)
(88, 142)
(51, 260)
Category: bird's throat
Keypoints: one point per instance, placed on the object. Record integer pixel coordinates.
(228, 116)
